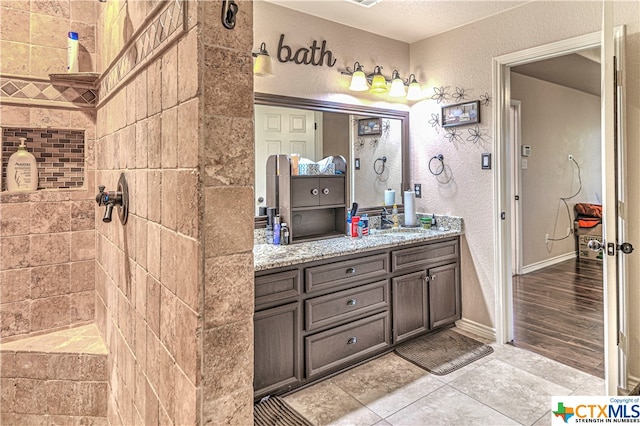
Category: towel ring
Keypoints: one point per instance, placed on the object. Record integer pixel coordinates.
(439, 170)
(375, 163)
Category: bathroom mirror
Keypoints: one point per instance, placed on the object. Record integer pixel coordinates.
(372, 140)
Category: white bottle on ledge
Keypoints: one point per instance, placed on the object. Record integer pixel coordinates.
(22, 170)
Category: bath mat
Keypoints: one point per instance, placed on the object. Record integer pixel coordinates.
(275, 412)
(443, 352)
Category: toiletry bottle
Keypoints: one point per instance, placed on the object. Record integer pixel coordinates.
(394, 216)
(295, 159)
(365, 224)
(276, 231)
(354, 226)
(22, 170)
(433, 220)
(284, 234)
(349, 223)
(72, 52)
(271, 212)
(360, 228)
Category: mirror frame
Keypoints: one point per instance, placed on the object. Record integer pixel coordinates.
(327, 106)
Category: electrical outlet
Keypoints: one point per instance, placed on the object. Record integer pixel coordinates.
(417, 188)
(546, 238)
(570, 157)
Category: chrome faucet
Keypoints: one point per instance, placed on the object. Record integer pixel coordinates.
(385, 222)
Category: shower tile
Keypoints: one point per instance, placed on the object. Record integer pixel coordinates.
(187, 271)
(30, 365)
(13, 55)
(188, 203)
(187, 392)
(168, 256)
(168, 320)
(169, 198)
(15, 319)
(218, 99)
(15, 252)
(170, 77)
(154, 141)
(167, 382)
(187, 340)
(50, 217)
(188, 128)
(15, 285)
(41, 33)
(50, 312)
(154, 188)
(153, 249)
(154, 86)
(141, 96)
(15, 219)
(15, 25)
(49, 281)
(50, 248)
(141, 144)
(83, 215)
(141, 248)
(169, 138)
(228, 151)
(30, 396)
(83, 245)
(188, 83)
(153, 305)
(82, 306)
(140, 200)
(236, 236)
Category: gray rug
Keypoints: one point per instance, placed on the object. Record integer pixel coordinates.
(443, 352)
(275, 412)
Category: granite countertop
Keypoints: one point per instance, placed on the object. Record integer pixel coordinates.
(268, 256)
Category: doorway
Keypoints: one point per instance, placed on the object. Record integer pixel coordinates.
(555, 141)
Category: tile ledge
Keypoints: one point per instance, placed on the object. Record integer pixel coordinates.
(84, 339)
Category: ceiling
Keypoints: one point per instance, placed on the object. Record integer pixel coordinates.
(404, 20)
(580, 71)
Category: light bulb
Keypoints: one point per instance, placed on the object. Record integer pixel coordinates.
(397, 86)
(415, 91)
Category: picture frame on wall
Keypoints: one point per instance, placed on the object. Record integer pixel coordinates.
(369, 126)
(460, 114)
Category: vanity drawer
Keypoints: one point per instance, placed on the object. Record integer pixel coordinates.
(340, 346)
(430, 254)
(341, 273)
(275, 287)
(345, 305)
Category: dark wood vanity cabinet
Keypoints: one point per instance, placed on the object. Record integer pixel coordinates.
(317, 318)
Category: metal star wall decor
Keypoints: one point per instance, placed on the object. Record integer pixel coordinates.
(359, 143)
(452, 135)
(485, 99)
(476, 134)
(435, 121)
(460, 94)
(439, 94)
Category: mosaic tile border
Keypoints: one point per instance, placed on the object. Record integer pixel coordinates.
(35, 91)
(168, 23)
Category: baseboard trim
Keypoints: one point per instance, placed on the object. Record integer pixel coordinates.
(548, 262)
(476, 328)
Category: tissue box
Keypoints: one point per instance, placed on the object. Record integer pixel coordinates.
(329, 170)
(308, 169)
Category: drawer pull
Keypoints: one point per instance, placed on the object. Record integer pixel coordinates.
(351, 271)
(325, 191)
(352, 341)
(351, 302)
(314, 191)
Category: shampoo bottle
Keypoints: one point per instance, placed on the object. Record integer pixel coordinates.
(72, 52)
(22, 171)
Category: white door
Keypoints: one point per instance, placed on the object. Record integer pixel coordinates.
(614, 191)
(280, 131)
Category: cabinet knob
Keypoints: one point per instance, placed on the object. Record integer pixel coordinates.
(352, 302)
(325, 191)
(433, 277)
(352, 341)
(351, 271)
(425, 278)
(314, 191)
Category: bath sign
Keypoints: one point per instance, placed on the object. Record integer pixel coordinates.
(313, 55)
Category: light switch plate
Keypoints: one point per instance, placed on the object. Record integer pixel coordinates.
(356, 163)
(525, 164)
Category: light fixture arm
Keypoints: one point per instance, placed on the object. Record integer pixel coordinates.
(262, 50)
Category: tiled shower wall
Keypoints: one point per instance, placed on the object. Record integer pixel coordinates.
(148, 271)
(59, 155)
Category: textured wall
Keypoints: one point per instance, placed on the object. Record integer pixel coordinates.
(556, 121)
(148, 272)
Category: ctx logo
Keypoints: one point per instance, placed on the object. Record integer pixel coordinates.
(584, 411)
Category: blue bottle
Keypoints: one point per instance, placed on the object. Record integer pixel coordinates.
(276, 231)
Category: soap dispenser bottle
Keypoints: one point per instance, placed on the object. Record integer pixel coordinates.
(22, 170)
(394, 217)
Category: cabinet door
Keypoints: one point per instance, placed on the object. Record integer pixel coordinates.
(277, 349)
(444, 295)
(331, 191)
(304, 192)
(410, 305)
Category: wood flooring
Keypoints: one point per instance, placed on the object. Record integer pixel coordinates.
(558, 313)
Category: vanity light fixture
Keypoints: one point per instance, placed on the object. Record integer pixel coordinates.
(358, 79)
(379, 81)
(397, 85)
(262, 67)
(376, 82)
(415, 91)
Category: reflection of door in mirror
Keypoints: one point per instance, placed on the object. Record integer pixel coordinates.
(380, 159)
(283, 131)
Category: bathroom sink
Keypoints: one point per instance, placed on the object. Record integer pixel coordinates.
(400, 233)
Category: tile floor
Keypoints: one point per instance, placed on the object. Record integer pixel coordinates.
(509, 387)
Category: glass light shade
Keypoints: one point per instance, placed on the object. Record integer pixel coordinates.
(379, 84)
(397, 88)
(358, 82)
(262, 67)
(415, 91)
